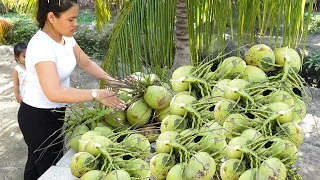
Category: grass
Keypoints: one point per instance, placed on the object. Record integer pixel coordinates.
(13, 17)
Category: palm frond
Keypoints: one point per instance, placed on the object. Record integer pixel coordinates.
(103, 13)
(143, 36)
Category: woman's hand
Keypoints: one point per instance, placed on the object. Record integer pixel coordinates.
(110, 99)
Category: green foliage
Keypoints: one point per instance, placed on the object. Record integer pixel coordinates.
(314, 25)
(22, 30)
(86, 17)
(314, 61)
(91, 42)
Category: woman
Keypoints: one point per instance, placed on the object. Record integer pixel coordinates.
(52, 55)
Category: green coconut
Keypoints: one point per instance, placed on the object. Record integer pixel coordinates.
(233, 147)
(138, 168)
(222, 109)
(79, 130)
(92, 175)
(234, 87)
(160, 164)
(286, 151)
(201, 166)
(250, 174)
(103, 130)
(232, 67)
(178, 103)
(254, 74)
(252, 135)
(283, 110)
(231, 169)
(292, 55)
(93, 144)
(137, 142)
(117, 175)
(293, 132)
(212, 128)
(282, 96)
(173, 123)
(81, 163)
(218, 90)
(272, 168)
(116, 118)
(163, 140)
(277, 146)
(213, 144)
(262, 56)
(138, 113)
(178, 77)
(162, 113)
(140, 77)
(74, 143)
(299, 111)
(88, 135)
(154, 78)
(177, 172)
(157, 97)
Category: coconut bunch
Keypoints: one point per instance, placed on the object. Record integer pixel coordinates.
(112, 143)
(105, 154)
(239, 121)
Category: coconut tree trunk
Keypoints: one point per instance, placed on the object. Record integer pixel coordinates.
(182, 54)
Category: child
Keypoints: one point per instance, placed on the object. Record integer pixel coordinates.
(19, 72)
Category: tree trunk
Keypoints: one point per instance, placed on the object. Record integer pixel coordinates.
(182, 54)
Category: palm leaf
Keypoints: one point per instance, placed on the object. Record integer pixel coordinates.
(142, 38)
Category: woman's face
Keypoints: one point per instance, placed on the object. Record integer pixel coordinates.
(67, 22)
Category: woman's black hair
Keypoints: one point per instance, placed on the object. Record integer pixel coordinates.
(55, 6)
(18, 49)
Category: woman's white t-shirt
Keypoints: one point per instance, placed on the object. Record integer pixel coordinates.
(42, 48)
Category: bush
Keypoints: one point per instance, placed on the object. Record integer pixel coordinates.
(314, 25)
(311, 69)
(22, 30)
(91, 42)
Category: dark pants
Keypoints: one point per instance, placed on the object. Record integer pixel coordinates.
(40, 129)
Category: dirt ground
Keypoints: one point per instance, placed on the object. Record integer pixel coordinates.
(13, 148)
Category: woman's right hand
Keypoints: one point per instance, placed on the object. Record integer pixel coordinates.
(110, 99)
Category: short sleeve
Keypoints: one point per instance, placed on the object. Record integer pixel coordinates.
(42, 54)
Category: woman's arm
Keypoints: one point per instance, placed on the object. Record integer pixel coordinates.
(16, 85)
(91, 67)
(50, 84)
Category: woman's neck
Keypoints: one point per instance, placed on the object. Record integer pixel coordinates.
(49, 30)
